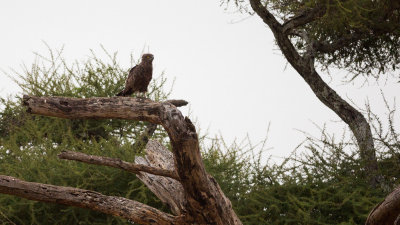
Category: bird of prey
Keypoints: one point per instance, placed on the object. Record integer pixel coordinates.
(139, 77)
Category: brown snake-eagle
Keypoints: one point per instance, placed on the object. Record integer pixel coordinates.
(139, 77)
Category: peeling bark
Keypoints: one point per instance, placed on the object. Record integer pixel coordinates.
(116, 163)
(168, 190)
(116, 206)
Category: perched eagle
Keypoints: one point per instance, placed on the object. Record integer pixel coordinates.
(139, 77)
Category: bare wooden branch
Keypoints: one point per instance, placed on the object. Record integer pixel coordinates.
(117, 206)
(386, 212)
(116, 163)
(206, 203)
(177, 103)
(100, 108)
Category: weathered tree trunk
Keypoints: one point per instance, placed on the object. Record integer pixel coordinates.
(178, 178)
(304, 65)
(387, 212)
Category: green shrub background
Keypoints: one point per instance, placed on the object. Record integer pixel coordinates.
(322, 184)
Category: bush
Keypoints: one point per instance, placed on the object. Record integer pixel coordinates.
(324, 184)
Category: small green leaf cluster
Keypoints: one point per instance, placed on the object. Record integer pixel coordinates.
(374, 24)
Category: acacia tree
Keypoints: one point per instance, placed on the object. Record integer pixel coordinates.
(360, 36)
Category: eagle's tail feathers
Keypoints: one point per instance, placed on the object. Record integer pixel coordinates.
(121, 93)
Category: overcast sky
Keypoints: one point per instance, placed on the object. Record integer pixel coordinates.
(225, 64)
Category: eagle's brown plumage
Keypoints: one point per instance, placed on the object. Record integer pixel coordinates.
(139, 77)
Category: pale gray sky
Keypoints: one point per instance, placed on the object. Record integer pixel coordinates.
(231, 73)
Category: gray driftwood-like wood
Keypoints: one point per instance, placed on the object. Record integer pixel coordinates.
(195, 197)
(304, 65)
(98, 108)
(116, 163)
(168, 190)
(117, 206)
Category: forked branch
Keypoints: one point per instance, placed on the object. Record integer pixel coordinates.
(306, 69)
(203, 200)
(303, 18)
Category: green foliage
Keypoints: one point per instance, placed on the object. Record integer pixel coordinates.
(376, 24)
(324, 184)
(29, 144)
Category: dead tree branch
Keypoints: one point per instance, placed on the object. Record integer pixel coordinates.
(168, 190)
(386, 212)
(117, 206)
(116, 163)
(203, 200)
(177, 103)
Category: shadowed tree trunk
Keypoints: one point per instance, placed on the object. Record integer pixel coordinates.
(178, 178)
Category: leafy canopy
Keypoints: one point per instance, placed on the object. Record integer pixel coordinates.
(365, 33)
